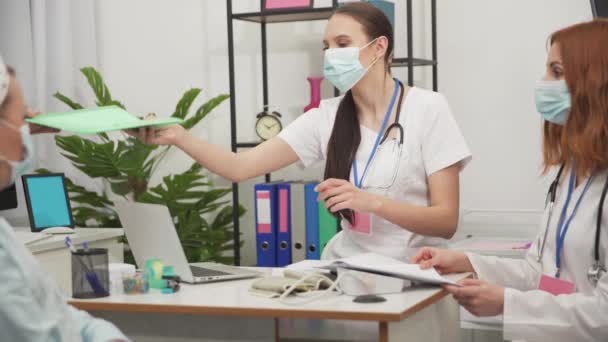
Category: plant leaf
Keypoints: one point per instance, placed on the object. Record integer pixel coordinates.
(184, 104)
(94, 159)
(204, 109)
(102, 93)
(224, 216)
(69, 102)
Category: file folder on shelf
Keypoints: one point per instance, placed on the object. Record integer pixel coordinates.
(312, 222)
(266, 224)
(284, 224)
(298, 222)
(328, 226)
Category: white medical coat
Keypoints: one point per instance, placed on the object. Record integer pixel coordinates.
(432, 142)
(535, 315)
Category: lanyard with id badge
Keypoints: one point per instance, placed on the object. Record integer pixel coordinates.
(380, 176)
(555, 285)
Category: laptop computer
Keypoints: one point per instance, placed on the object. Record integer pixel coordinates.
(151, 234)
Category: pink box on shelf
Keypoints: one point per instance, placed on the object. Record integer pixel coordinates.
(270, 5)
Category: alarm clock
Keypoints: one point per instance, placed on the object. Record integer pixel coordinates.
(268, 124)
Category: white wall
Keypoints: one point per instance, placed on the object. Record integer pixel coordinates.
(47, 41)
(490, 54)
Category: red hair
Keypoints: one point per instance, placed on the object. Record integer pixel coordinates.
(584, 137)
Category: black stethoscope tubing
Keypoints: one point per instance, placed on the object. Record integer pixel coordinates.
(598, 266)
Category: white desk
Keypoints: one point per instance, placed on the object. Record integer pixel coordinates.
(56, 259)
(226, 311)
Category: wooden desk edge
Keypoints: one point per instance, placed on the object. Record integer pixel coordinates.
(243, 312)
(253, 312)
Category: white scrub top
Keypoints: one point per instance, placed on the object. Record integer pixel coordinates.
(31, 306)
(534, 315)
(432, 142)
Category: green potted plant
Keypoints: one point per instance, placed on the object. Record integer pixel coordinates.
(202, 212)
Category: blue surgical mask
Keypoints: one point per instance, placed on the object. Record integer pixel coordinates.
(342, 67)
(19, 168)
(553, 101)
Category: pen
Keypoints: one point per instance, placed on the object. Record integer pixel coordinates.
(68, 242)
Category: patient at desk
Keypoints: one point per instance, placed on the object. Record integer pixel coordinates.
(31, 306)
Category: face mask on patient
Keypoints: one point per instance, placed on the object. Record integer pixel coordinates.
(19, 168)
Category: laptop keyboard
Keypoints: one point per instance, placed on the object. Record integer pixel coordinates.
(205, 272)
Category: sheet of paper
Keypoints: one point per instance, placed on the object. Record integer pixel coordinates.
(413, 272)
(379, 264)
(97, 120)
(371, 260)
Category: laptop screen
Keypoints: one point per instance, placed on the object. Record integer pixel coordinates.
(47, 201)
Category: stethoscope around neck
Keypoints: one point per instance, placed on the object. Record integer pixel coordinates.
(396, 125)
(598, 269)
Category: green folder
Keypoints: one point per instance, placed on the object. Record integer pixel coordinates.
(97, 120)
(328, 226)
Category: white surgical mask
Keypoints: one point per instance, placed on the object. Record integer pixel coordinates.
(342, 66)
(553, 101)
(19, 168)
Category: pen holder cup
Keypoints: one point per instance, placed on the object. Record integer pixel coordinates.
(90, 275)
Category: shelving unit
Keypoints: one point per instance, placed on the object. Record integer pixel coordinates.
(286, 16)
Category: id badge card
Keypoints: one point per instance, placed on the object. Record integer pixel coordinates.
(362, 223)
(555, 286)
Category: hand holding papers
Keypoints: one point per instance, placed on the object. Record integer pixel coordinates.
(381, 265)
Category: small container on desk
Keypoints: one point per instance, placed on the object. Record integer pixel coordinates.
(118, 272)
(90, 276)
(137, 283)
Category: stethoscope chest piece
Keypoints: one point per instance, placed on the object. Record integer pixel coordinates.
(595, 273)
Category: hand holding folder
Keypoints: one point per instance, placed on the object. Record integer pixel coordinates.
(381, 265)
(97, 120)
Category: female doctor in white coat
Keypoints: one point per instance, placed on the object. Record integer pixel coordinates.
(560, 291)
(403, 195)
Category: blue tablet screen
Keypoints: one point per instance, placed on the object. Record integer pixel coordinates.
(48, 202)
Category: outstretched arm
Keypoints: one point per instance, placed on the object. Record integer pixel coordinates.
(267, 157)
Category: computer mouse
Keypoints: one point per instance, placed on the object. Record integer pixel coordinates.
(58, 230)
(370, 298)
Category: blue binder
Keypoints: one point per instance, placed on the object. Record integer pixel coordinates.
(265, 198)
(283, 224)
(312, 222)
